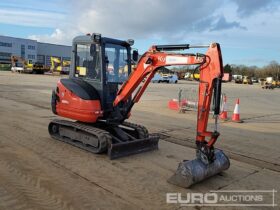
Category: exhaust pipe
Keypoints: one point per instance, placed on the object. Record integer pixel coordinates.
(194, 171)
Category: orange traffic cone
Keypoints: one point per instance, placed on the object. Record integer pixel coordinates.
(223, 115)
(236, 115)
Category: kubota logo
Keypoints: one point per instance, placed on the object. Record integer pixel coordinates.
(161, 58)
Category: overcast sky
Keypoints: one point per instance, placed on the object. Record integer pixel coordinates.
(248, 30)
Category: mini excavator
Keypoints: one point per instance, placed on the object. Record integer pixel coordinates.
(103, 86)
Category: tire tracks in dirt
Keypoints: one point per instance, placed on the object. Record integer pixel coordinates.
(28, 190)
(29, 181)
(85, 165)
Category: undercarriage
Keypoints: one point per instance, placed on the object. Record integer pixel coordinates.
(117, 140)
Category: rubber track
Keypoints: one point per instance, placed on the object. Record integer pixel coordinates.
(143, 131)
(103, 136)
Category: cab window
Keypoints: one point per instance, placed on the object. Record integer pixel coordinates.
(116, 63)
(88, 63)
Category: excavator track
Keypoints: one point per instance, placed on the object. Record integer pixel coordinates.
(99, 138)
(141, 130)
(86, 137)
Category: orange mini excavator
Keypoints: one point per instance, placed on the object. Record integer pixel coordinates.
(102, 89)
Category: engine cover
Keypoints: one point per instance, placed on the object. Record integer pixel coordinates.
(77, 100)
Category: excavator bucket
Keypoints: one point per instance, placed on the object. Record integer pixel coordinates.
(194, 171)
(133, 147)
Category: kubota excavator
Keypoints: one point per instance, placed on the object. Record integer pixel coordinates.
(99, 95)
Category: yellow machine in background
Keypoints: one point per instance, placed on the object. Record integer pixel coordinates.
(190, 76)
(22, 66)
(55, 64)
(66, 63)
(247, 80)
(195, 76)
(60, 67)
(270, 83)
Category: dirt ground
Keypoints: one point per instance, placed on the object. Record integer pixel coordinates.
(37, 172)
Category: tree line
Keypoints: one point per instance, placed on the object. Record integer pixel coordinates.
(270, 70)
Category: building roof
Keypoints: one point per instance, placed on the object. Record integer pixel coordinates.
(18, 38)
(54, 44)
(34, 41)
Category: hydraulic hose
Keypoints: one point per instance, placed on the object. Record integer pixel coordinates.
(217, 95)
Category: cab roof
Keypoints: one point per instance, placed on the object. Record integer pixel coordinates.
(87, 39)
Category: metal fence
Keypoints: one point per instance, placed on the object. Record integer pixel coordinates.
(188, 100)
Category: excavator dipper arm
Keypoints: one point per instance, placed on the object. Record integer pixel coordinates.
(209, 161)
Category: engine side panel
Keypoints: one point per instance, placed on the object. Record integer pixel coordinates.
(68, 104)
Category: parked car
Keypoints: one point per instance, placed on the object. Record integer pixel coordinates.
(254, 80)
(168, 78)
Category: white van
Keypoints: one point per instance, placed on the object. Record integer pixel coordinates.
(168, 78)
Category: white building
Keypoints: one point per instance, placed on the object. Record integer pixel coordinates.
(31, 50)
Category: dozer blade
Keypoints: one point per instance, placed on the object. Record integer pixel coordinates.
(133, 147)
(194, 171)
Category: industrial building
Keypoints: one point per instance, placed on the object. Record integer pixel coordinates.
(31, 50)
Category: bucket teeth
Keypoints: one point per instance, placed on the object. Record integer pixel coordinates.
(194, 171)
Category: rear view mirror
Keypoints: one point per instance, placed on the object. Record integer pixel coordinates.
(135, 55)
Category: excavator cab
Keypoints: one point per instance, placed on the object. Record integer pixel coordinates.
(99, 67)
(103, 63)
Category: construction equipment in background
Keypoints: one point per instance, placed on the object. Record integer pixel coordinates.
(247, 80)
(238, 79)
(65, 66)
(277, 83)
(192, 76)
(55, 64)
(58, 67)
(22, 66)
(270, 83)
(40, 68)
(101, 102)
